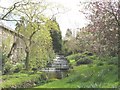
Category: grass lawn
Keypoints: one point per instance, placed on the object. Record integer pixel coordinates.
(87, 76)
(17, 79)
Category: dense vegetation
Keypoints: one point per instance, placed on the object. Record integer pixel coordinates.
(37, 47)
(92, 54)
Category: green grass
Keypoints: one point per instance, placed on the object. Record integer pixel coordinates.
(17, 79)
(72, 62)
(87, 76)
(102, 73)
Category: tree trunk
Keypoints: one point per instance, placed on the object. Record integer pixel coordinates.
(12, 49)
(27, 59)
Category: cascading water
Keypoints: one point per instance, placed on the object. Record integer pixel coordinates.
(58, 68)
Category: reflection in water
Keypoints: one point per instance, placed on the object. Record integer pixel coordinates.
(59, 74)
(58, 68)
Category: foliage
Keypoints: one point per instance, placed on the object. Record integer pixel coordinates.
(7, 69)
(68, 34)
(100, 64)
(81, 58)
(110, 60)
(6, 43)
(78, 56)
(101, 35)
(20, 80)
(73, 57)
(41, 51)
(83, 61)
(18, 67)
(35, 27)
(95, 45)
(56, 37)
(35, 50)
(65, 49)
(69, 43)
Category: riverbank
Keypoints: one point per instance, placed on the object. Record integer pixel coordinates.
(87, 77)
(102, 73)
(22, 80)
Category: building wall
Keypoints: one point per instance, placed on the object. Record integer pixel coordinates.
(6, 41)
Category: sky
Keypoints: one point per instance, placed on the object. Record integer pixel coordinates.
(71, 18)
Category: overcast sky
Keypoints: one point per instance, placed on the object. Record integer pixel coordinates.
(72, 18)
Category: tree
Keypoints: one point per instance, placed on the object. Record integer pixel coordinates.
(104, 26)
(56, 36)
(38, 35)
(69, 44)
(32, 25)
(68, 33)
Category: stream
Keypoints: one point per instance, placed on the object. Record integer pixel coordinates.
(58, 68)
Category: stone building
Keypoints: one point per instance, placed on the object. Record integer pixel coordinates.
(11, 44)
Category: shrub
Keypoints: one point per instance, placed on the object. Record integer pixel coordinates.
(100, 64)
(4, 58)
(70, 66)
(113, 60)
(88, 53)
(34, 69)
(94, 57)
(78, 57)
(83, 61)
(18, 68)
(75, 57)
(8, 68)
(44, 77)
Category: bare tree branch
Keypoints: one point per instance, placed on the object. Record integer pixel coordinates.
(10, 19)
(14, 6)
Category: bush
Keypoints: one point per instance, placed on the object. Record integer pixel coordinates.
(78, 57)
(109, 60)
(94, 57)
(75, 57)
(8, 68)
(83, 61)
(88, 53)
(18, 68)
(4, 58)
(34, 69)
(113, 60)
(70, 66)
